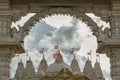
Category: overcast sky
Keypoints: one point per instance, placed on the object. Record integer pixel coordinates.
(69, 33)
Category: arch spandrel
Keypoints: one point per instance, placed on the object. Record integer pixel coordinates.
(65, 11)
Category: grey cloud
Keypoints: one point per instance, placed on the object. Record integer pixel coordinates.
(64, 33)
(67, 32)
(66, 36)
(37, 33)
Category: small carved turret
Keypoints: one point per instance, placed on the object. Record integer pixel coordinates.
(43, 65)
(19, 75)
(60, 58)
(88, 70)
(75, 66)
(29, 70)
(98, 71)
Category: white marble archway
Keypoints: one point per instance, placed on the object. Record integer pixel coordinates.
(60, 10)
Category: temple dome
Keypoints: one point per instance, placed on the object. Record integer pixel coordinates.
(58, 65)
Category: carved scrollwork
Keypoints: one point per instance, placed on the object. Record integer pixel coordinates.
(60, 10)
(102, 34)
(17, 35)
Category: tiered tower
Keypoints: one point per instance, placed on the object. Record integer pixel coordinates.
(98, 71)
(58, 65)
(19, 75)
(29, 70)
(89, 71)
(75, 66)
(43, 65)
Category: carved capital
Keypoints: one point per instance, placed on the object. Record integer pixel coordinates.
(112, 52)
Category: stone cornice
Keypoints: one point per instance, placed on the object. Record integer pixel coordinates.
(18, 46)
(107, 44)
(100, 2)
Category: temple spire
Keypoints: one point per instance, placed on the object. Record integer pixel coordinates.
(88, 58)
(43, 65)
(29, 70)
(29, 58)
(98, 71)
(75, 66)
(59, 58)
(19, 75)
(43, 56)
(89, 71)
(89, 55)
(74, 56)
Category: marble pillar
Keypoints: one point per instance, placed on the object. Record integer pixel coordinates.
(9, 46)
(5, 59)
(4, 68)
(114, 56)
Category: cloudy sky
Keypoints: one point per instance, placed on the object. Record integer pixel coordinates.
(69, 33)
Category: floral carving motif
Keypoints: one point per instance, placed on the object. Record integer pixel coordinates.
(60, 10)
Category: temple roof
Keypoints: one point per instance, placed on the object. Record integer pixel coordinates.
(20, 65)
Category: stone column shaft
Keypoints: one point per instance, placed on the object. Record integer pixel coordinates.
(115, 63)
(5, 57)
(4, 67)
(114, 54)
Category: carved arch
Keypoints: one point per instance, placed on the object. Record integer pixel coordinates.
(60, 10)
